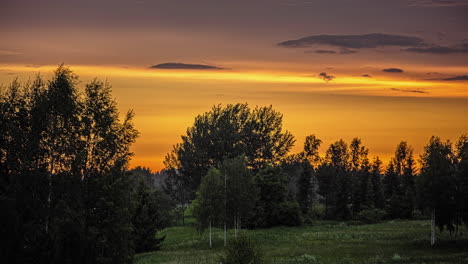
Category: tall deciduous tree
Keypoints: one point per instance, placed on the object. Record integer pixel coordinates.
(311, 146)
(63, 156)
(228, 132)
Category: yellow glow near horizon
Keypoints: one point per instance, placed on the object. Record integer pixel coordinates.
(249, 76)
(167, 101)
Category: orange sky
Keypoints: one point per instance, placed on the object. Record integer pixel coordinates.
(166, 103)
(398, 69)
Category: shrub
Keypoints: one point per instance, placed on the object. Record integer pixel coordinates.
(289, 214)
(370, 216)
(242, 250)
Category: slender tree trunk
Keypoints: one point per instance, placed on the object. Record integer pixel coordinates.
(225, 237)
(433, 238)
(183, 215)
(210, 234)
(49, 195)
(235, 227)
(225, 209)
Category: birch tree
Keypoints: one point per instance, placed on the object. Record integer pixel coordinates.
(208, 207)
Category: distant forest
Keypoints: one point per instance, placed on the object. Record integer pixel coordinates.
(67, 195)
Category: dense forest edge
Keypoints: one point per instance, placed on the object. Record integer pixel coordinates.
(68, 196)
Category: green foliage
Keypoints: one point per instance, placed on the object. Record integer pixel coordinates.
(208, 207)
(241, 192)
(275, 205)
(242, 250)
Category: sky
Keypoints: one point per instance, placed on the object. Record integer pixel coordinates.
(383, 71)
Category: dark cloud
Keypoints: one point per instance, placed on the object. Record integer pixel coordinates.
(456, 78)
(184, 66)
(373, 40)
(439, 3)
(326, 77)
(408, 90)
(393, 70)
(366, 75)
(440, 49)
(325, 51)
(342, 51)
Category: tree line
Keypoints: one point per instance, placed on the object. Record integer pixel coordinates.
(234, 167)
(66, 195)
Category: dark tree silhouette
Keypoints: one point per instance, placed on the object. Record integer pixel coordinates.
(228, 132)
(438, 183)
(63, 156)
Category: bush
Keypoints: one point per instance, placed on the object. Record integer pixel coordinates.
(371, 216)
(242, 250)
(289, 214)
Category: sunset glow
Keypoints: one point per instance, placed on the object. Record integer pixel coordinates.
(383, 80)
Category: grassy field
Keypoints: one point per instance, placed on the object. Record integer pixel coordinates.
(328, 242)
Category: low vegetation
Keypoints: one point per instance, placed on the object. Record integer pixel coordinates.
(324, 242)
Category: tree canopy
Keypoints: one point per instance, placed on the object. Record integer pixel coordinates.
(227, 132)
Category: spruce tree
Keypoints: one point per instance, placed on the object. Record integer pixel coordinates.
(376, 178)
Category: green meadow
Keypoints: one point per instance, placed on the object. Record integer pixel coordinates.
(321, 242)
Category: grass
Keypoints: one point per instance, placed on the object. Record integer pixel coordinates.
(328, 242)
